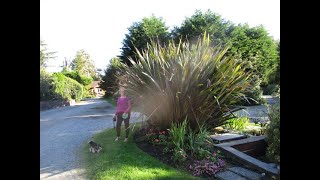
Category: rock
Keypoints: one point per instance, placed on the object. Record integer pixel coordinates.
(273, 165)
(226, 137)
(228, 175)
(245, 172)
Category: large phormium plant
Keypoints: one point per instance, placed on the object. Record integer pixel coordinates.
(186, 80)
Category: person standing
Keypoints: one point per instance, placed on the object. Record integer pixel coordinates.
(123, 112)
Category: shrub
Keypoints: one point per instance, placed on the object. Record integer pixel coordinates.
(157, 137)
(186, 80)
(237, 124)
(255, 131)
(273, 134)
(109, 82)
(47, 91)
(179, 155)
(178, 133)
(67, 87)
(84, 80)
(271, 89)
(254, 95)
(199, 144)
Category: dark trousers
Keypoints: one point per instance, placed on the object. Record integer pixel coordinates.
(126, 123)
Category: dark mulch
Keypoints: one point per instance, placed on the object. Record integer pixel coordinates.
(154, 150)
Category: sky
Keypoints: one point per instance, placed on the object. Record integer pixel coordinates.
(99, 26)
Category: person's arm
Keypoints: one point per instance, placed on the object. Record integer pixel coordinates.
(129, 106)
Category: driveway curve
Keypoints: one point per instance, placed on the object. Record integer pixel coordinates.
(64, 130)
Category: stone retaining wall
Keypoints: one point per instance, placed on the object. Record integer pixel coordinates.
(45, 105)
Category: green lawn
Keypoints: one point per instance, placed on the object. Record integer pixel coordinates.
(124, 160)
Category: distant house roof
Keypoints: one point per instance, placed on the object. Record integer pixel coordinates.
(95, 84)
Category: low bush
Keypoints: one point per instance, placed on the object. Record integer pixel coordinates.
(237, 124)
(273, 134)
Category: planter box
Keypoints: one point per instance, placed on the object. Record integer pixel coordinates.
(244, 150)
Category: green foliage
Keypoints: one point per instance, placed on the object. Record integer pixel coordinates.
(157, 137)
(109, 81)
(194, 27)
(273, 134)
(177, 133)
(46, 88)
(199, 144)
(253, 47)
(87, 92)
(84, 80)
(271, 89)
(46, 91)
(237, 124)
(179, 155)
(186, 141)
(83, 64)
(256, 46)
(258, 50)
(140, 34)
(273, 74)
(254, 95)
(44, 54)
(171, 83)
(255, 131)
(67, 87)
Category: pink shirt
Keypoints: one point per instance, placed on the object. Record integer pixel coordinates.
(123, 104)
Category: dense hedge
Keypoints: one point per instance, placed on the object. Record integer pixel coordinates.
(84, 80)
(273, 134)
(47, 91)
(67, 87)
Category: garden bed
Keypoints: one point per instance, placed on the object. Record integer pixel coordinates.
(157, 152)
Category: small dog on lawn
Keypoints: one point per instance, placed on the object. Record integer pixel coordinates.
(94, 147)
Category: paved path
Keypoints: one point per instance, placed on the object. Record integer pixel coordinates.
(64, 130)
(258, 111)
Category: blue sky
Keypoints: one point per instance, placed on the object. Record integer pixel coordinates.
(99, 26)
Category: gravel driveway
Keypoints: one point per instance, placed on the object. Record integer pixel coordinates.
(64, 130)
